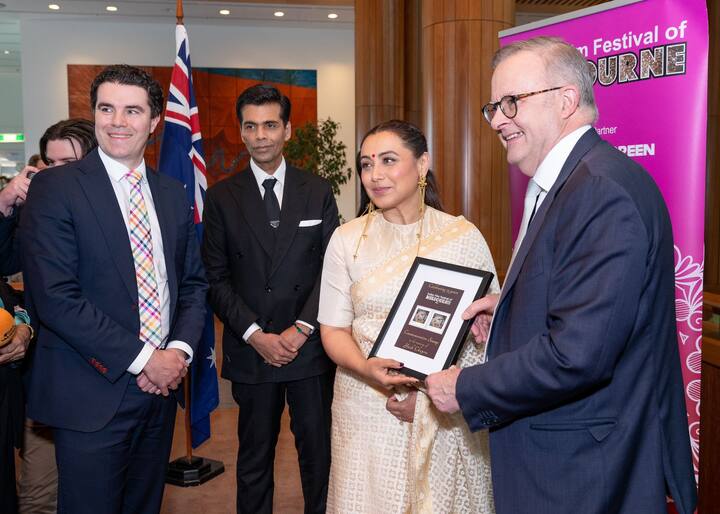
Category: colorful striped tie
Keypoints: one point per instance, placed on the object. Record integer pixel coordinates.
(141, 245)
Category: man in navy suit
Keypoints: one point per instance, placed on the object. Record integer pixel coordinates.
(582, 389)
(114, 278)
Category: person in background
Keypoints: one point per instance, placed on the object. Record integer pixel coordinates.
(65, 141)
(37, 162)
(12, 405)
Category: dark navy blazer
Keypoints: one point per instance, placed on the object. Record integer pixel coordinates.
(80, 282)
(583, 391)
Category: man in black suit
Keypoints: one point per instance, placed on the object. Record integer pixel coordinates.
(266, 230)
(115, 281)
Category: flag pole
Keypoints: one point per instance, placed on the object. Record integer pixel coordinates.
(179, 14)
(189, 470)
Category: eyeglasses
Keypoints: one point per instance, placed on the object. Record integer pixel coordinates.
(508, 104)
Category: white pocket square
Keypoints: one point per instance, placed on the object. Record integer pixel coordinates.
(309, 223)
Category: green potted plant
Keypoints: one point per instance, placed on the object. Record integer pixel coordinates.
(313, 147)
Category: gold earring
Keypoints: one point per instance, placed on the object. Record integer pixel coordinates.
(422, 186)
(369, 210)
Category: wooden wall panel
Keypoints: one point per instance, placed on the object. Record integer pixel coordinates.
(459, 40)
(379, 63)
(709, 493)
(413, 63)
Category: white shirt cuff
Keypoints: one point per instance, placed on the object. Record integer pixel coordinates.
(250, 331)
(312, 329)
(139, 363)
(182, 346)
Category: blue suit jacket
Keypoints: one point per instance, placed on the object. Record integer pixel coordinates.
(583, 390)
(80, 282)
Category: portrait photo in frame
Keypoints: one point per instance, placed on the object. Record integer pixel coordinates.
(425, 330)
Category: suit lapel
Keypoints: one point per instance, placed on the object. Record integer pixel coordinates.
(247, 196)
(294, 199)
(164, 212)
(584, 144)
(101, 196)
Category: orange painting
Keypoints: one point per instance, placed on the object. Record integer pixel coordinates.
(216, 91)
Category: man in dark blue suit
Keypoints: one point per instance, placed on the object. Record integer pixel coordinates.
(582, 390)
(115, 281)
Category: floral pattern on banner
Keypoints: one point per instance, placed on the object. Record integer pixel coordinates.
(688, 313)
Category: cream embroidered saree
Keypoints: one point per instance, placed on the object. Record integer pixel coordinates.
(379, 464)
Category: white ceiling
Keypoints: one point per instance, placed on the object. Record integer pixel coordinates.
(138, 11)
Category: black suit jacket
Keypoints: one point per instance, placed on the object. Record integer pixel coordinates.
(257, 277)
(80, 284)
(583, 391)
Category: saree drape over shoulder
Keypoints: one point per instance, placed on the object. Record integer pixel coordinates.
(380, 464)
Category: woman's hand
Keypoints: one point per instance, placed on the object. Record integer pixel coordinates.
(404, 410)
(384, 373)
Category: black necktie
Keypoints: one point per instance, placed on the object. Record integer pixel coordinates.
(272, 207)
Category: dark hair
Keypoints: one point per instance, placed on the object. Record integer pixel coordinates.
(78, 129)
(35, 159)
(130, 76)
(415, 141)
(261, 94)
(364, 198)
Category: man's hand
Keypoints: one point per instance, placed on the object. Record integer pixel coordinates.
(16, 348)
(482, 310)
(441, 389)
(165, 370)
(272, 348)
(404, 410)
(15, 192)
(292, 339)
(145, 385)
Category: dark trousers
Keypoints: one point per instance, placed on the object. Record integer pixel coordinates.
(261, 408)
(11, 410)
(120, 469)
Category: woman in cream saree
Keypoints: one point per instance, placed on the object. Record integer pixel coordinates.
(433, 464)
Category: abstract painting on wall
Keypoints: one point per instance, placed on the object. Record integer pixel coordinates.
(216, 91)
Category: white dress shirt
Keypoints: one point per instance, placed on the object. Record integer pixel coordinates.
(121, 186)
(260, 177)
(551, 166)
(279, 174)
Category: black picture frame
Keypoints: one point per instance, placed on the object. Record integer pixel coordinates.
(424, 329)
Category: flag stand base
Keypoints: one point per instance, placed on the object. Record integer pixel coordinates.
(186, 472)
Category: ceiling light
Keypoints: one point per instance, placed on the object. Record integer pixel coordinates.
(53, 7)
(224, 12)
(279, 14)
(332, 15)
(6, 52)
(111, 8)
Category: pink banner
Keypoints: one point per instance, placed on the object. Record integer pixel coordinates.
(650, 60)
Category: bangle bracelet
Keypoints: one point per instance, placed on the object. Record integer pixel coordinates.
(32, 331)
(300, 330)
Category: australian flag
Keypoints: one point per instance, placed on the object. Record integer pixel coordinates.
(181, 157)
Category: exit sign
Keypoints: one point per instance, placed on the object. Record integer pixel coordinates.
(12, 138)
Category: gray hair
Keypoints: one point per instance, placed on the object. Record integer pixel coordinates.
(563, 60)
